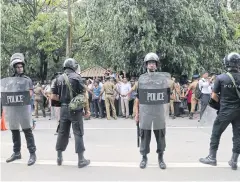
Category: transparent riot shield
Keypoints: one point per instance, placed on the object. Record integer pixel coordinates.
(207, 120)
(15, 98)
(154, 98)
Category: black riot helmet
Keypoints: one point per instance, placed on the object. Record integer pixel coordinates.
(151, 57)
(71, 64)
(232, 61)
(16, 59)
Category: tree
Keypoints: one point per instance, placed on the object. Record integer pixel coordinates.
(35, 28)
(189, 36)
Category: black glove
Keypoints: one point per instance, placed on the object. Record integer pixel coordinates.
(213, 104)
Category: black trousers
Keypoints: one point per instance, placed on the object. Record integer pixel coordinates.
(103, 107)
(66, 119)
(146, 139)
(221, 123)
(116, 107)
(189, 107)
(131, 103)
(16, 138)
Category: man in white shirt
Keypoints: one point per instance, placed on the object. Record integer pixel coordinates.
(125, 87)
(90, 99)
(205, 87)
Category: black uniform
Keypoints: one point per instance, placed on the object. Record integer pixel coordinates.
(146, 139)
(229, 111)
(16, 137)
(151, 61)
(145, 136)
(68, 117)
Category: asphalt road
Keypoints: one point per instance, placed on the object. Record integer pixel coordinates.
(112, 148)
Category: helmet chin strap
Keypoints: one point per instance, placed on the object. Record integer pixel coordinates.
(19, 74)
(151, 71)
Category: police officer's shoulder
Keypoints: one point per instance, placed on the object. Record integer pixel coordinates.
(221, 76)
(142, 75)
(59, 80)
(28, 80)
(75, 76)
(107, 84)
(27, 77)
(59, 77)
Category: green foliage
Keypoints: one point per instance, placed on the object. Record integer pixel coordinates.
(48, 31)
(37, 29)
(188, 35)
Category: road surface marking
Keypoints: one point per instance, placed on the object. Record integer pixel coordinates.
(187, 127)
(124, 164)
(171, 127)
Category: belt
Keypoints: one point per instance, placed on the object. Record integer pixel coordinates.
(109, 94)
(64, 104)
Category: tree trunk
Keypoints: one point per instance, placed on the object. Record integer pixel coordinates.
(229, 5)
(43, 65)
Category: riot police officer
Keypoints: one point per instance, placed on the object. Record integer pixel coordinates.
(227, 85)
(61, 92)
(151, 106)
(18, 67)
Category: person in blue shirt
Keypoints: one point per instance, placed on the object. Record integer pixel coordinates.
(96, 100)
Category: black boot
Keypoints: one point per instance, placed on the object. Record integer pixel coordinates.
(161, 162)
(233, 161)
(32, 159)
(191, 115)
(143, 163)
(14, 157)
(82, 162)
(44, 113)
(59, 158)
(210, 159)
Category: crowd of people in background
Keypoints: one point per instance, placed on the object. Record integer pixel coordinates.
(114, 96)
